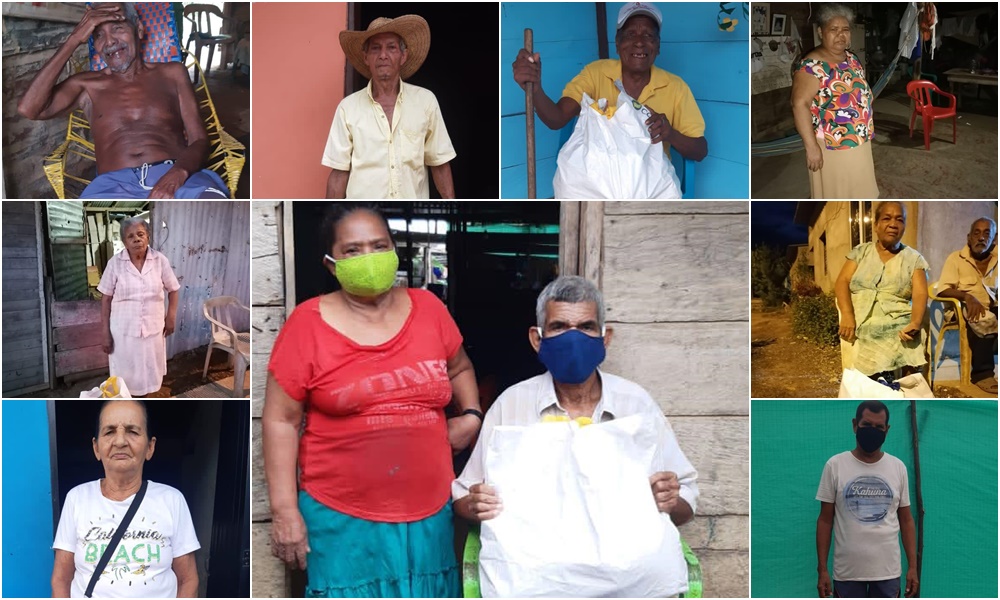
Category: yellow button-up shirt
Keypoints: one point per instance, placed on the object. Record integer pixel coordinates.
(960, 272)
(665, 93)
(384, 161)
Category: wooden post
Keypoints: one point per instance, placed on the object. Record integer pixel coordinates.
(529, 116)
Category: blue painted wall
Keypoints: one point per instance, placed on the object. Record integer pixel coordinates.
(714, 64)
(28, 530)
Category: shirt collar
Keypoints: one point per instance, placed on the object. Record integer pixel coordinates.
(658, 78)
(547, 397)
(399, 96)
(966, 254)
(150, 253)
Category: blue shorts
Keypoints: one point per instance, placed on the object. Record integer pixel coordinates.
(888, 588)
(137, 182)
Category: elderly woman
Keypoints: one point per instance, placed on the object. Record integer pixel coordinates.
(132, 315)
(832, 105)
(155, 557)
(882, 296)
(365, 489)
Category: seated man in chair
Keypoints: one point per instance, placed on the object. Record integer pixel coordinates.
(149, 138)
(970, 275)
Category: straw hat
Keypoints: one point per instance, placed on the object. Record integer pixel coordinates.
(412, 28)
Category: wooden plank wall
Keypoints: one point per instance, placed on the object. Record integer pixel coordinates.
(270, 578)
(24, 348)
(675, 286)
(77, 337)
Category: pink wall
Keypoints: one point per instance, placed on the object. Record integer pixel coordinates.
(298, 81)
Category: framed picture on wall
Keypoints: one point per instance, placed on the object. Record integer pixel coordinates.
(778, 24)
(760, 18)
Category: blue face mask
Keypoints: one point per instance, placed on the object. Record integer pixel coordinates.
(572, 356)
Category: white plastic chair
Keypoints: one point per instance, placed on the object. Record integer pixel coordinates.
(219, 312)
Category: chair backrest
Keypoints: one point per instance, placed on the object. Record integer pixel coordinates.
(221, 309)
(199, 15)
(161, 43)
(920, 90)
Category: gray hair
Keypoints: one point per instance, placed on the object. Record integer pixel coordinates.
(402, 42)
(131, 15)
(831, 11)
(569, 288)
(131, 221)
(881, 205)
(993, 225)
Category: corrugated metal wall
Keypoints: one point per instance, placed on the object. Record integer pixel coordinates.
(67, 239)
(208, 245)
(25, 351)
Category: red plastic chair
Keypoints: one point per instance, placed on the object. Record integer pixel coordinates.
(920, 90)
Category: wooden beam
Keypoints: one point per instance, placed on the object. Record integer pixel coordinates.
(569, 237)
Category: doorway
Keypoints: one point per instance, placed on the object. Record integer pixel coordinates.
(460, 70)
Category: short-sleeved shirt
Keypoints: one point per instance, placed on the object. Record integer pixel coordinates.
(866, 497)
(388, 162)
(142, 565)
(665, 93)
(137, 304)
(375, 444)
(842, 108)
(889, 284)
(960, 272)
(529, 401)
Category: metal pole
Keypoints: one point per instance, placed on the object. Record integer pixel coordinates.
(529, 116)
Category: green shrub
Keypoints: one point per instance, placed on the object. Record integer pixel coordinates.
(815, 318)
(768, 274)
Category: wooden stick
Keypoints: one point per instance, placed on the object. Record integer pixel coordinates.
(529, 116)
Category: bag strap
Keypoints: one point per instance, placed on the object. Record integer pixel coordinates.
(116, 538)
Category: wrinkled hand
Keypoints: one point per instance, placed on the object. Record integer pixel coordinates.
(659, 127)
(166, 187)
(484, 503)
(912, 585)
(847, 331)
(94, 18)
(527, 68)
(824, 586)
(168, 325)
(289, 541)
(814, 157)
(911, 331)
(666, 490)
(109, 343)
(461, 431)
(974, 307)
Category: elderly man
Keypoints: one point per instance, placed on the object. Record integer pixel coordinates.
(970, 275)
(149, 138)
(865, 503)
(570, 340)
(675, 121)
(385, 136)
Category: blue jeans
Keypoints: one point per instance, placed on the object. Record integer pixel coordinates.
(888, 588)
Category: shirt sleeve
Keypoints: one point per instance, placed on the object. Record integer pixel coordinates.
(814, 68)
(184, 540)
(437, 144)
(687, 116)
(451, 337)
(827, 491)
(904, 493)
(475, 469)
(856, 253)
(583, 83)
(670, 457)
(109, 279)
(170, 282)
(339, 144)
(949, 273)
(66, 531)
(920, 262)
(290, 362)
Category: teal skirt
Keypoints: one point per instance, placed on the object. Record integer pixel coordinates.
(357, 558)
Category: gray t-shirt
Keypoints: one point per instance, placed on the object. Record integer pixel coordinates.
(866, 497)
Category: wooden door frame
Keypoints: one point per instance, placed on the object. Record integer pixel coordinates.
(581, 239)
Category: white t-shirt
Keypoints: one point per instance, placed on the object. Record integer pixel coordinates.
(160, 531)
(866, 497)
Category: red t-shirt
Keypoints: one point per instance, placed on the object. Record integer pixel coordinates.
(375, 444)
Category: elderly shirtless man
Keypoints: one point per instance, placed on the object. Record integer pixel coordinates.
(148, 134)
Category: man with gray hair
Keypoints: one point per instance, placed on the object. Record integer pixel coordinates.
(970, 275)
(149, 138)
(570, 339)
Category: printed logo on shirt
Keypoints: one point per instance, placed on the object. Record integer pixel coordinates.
(427, 379)
(868, 498)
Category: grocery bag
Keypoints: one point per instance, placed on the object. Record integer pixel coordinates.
(856, 384)
(611, 158)
(112, 387)
(579, 518)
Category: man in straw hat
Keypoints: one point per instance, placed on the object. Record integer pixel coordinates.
(384, 136)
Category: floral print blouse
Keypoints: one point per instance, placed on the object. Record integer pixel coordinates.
(842, 109)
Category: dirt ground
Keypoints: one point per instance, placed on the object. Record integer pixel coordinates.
(783, 365)
(183, 375)
(903, 168)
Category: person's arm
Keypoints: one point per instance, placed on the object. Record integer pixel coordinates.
(62, 574)
(824, 530)
(842, 288)
(463, 429)
(804, 89)
(336, 184)
(909, 533)
(109, 342)
(695, 149)
(186, 572)
(918, 305)
(170, 320)
(281, 421)
(555, 115)
(193, 156)
(974, 307)
(443, 181)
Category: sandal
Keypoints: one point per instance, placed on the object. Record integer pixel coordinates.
(988, 385)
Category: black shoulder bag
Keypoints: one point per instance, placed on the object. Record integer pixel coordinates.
(116, 539)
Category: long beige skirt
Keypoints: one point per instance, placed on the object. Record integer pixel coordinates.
(845, 174)
(141, 362)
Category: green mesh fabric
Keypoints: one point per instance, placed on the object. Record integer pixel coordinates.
(792, 440)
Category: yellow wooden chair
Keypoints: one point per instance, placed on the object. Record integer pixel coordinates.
(226, 155)
(939, 306)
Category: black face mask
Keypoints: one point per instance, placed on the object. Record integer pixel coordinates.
(870, 439)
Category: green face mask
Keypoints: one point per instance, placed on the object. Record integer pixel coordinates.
(368, 274)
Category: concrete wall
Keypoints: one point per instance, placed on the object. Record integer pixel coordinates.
(830, 255)
(27, 44)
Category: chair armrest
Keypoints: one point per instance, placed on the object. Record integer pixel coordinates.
(229, 330)
(952, 100)
(954, 301)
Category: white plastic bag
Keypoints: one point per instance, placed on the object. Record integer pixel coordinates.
(579, 519)
(856, 384)
(112, 387)
(612, 158)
